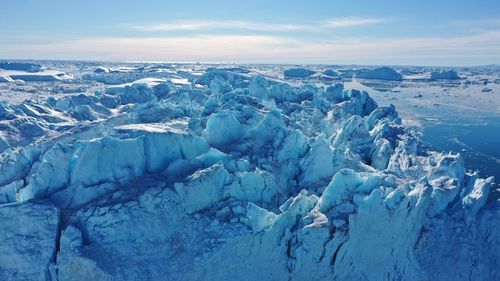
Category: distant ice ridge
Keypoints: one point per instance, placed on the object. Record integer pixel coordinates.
(122, 75)
(448, 74)
(20, 72)
(21, 66)
(242, 179)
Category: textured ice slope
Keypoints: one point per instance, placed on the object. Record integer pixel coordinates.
(241, 179)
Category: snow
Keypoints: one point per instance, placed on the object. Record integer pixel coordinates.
(175, 126)
(6, 78)
(46, 75)
(101, 69)
(230, 173)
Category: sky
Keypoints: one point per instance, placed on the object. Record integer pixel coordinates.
(386, 32)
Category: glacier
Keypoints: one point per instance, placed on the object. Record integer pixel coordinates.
(231, 175)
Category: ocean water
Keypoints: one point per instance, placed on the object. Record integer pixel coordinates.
(478, 143)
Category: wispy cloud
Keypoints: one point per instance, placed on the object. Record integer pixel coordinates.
(477, 26)
(198, 25)
(352, 21)
(480, 48)
(213, 25)
(487, 22)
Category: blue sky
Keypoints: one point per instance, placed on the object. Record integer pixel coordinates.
(359, 32)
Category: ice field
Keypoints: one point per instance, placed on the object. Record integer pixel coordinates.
(150, 171)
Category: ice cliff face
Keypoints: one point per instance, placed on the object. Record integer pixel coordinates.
(240, 178)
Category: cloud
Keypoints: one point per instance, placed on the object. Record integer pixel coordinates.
(476, 22)
(352, 21)
(196, 48)
(214, 25)
(197, 25)
(481, 48)
(476, 26)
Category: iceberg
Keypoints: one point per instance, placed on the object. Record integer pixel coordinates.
(21, 66)
(381, 73)
(41, 76)
(232, 176)
(330, 73)
(448, 74)
(6, 78)
(298, 73)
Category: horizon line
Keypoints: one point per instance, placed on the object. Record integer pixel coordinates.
(240, 63)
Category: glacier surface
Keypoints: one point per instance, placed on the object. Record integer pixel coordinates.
(227, 175)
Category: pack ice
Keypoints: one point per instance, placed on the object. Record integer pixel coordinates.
(231, 176)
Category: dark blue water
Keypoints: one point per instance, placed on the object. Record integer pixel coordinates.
(478, 143)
